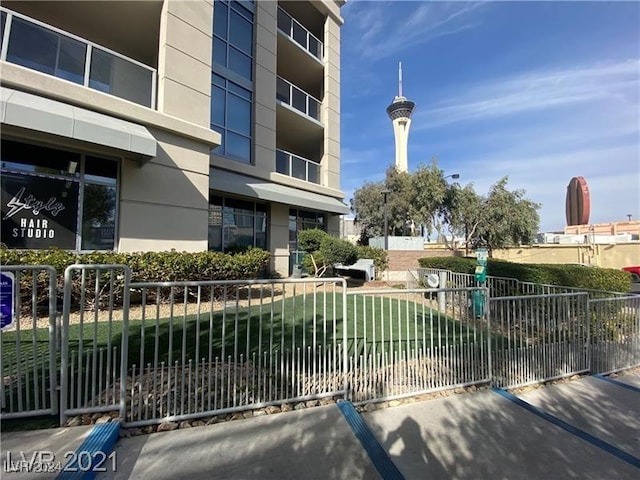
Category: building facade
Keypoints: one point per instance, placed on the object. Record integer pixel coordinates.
(159, 125)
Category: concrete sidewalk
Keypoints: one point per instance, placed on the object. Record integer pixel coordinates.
(485, 436)
(598, 407)
(479, 435)
(23, 445)
(315, 443)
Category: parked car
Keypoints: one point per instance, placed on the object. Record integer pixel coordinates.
(635, 273)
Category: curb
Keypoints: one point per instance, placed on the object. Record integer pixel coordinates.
(92, 456)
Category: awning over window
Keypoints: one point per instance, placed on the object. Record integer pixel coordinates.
(57, 118)
(224, 181)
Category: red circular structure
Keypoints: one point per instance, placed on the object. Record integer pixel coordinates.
(578, 203)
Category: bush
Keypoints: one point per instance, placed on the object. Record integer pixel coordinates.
(335, 250)
(328, 250)
(574, 276)
(310, 240)
(144, 266)
(379, 256)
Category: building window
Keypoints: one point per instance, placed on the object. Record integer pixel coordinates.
(303, 220)
(232, 78)
(57, 198)
(233, 37)
(231, 117)
(236, 224)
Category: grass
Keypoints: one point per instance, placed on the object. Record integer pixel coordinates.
(382, 324)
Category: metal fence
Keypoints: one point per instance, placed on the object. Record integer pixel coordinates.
(615, 324)
(505, 286)
(94, 339)
(539, 338)
(28, 359)
(407, 342)
(204, 348)
(181, 350)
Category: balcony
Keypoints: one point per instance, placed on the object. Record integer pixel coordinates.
(299, 34)
(291, 95)
(41, 47)
(297, 167)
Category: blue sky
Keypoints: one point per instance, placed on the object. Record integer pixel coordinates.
(538, 91)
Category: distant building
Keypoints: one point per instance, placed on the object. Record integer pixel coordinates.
(349, 230)
(597, 233)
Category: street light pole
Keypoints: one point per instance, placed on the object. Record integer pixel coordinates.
(385, 192)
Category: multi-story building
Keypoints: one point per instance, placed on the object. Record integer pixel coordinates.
(158, 125)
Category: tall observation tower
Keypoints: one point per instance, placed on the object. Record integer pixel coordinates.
(400, 112)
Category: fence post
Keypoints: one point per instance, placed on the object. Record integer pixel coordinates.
(64, 338)
(124, 351)
(487, 315)
(345, 353)
(442, 296)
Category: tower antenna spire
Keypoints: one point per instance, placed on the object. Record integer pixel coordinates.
(399, 79)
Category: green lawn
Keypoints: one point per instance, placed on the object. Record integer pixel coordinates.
(382, 325)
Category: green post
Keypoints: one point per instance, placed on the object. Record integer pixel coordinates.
(481, 280)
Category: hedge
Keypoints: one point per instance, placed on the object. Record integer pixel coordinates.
(145, 267)
(574, 276)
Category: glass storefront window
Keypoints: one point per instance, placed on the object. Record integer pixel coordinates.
(99, 205)
(236, 224)
(303, 220)
(57, 198)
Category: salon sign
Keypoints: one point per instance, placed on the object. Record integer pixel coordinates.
(39, 212)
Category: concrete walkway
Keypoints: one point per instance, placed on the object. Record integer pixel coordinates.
(479, 435)
(16, 446)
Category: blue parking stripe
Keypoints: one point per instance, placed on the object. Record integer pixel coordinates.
(92, 453)
(379, 457)
(616, 382)
(607, 447)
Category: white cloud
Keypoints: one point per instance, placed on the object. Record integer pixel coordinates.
(534, 91)
(380, 35)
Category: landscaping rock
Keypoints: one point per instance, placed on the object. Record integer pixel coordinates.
(74, 422)
(167, 426)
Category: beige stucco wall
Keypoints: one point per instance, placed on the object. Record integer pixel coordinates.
(607, 256)
(279, 238)
(184, 60)
(331, 105)
(164, 203)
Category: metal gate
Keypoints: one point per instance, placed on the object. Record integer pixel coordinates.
(28, 353)
(93, 368)
(538, 338)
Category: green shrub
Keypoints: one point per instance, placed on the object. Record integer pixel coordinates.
(379, 256)
(336, 250)
(455, 264)
(145, 267)
(574, 276)
(310, 240)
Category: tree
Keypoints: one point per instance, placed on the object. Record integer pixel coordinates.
(462, 212)
(506, 218)
(368, 214)
(430, 188)
(399, 201)
(368, 206)
(324, 251)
